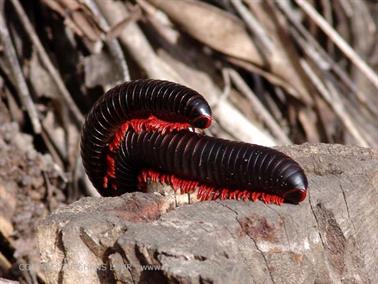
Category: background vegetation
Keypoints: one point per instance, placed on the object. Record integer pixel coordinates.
(274, 72)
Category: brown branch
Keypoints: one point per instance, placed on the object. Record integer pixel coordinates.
(19, 79)
(47, 62)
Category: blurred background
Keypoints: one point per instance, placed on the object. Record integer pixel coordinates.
(274, 72)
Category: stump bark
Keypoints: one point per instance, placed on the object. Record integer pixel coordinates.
(145, 238)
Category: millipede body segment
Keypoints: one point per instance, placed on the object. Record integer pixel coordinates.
(139, 130)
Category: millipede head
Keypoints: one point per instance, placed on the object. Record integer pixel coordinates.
(297, 185)
(201, 115)
(202, 121)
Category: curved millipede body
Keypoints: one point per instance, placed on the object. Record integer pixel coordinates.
(139, 131)
(151, 104)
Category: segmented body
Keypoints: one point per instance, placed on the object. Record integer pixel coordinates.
(121, 148)
(166, 106)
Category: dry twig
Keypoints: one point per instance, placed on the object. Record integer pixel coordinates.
(259, 108)
(47, 62)
(339, 41)
(18, 76)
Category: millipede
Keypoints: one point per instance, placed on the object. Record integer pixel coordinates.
(143, 130)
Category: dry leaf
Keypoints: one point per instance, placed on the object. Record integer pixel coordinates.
(77, 17)
(227, 34)
(203, 22)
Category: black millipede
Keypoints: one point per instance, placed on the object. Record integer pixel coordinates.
(141, 130)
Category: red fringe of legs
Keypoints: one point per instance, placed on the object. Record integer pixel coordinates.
(151, 123)
(207, 192)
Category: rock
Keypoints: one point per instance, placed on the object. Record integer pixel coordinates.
(143, 238)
